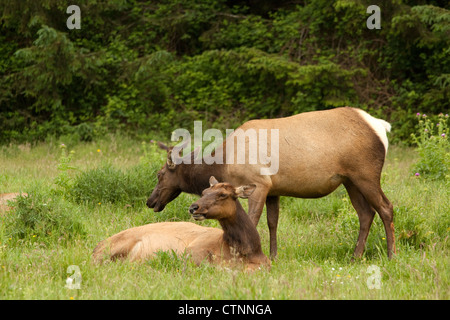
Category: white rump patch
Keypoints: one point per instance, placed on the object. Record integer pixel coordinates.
(378, 125)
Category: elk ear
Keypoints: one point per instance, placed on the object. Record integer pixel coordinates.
(170, 164)
(162, 146)
(213, 181)
(245, 191)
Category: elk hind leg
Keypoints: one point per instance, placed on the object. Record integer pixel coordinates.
(377, 199)
(273, 210)
(365, 214)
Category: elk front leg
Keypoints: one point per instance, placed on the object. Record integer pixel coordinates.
(256, 204)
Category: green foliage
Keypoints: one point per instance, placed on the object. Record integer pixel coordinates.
(418, 57)
(107, 184)
(167, 261)
(433, 148)
(416, 228)
(64, 181)
(250, 83)
(53, 72)
(43, 217)
(141, 67)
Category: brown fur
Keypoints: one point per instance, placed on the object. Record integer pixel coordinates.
(5, 197)
(238, 242)
(318, 151)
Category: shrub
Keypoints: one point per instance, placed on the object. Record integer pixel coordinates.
(63, 180)
(433, 148)
(107, 184)
(43, 216)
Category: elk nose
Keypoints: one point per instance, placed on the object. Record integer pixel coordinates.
(193, 208)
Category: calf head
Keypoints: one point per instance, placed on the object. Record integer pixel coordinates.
(219, 200)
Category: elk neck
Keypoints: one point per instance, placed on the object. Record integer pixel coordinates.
(195, 177)
(240, 233)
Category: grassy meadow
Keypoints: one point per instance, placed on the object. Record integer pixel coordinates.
(68, 211)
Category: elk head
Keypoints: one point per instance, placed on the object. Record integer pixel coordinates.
(219, 200)
(170, 178)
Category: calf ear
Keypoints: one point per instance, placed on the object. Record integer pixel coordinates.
(213, 181)
(245, 191)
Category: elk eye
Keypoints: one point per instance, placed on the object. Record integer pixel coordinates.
(222, 195)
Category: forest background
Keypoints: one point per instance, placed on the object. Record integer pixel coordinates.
(145, 68)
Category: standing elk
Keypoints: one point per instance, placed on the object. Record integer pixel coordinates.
(317, 152)
(237, 243)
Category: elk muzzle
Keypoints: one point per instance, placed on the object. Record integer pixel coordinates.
(194, 211)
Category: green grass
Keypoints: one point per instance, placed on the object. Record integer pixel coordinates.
(316, 238)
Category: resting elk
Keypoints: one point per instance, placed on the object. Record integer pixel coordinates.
(5, 197)
(237, 243)
(317, 152)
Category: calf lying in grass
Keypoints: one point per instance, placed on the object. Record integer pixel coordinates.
(237, 243)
